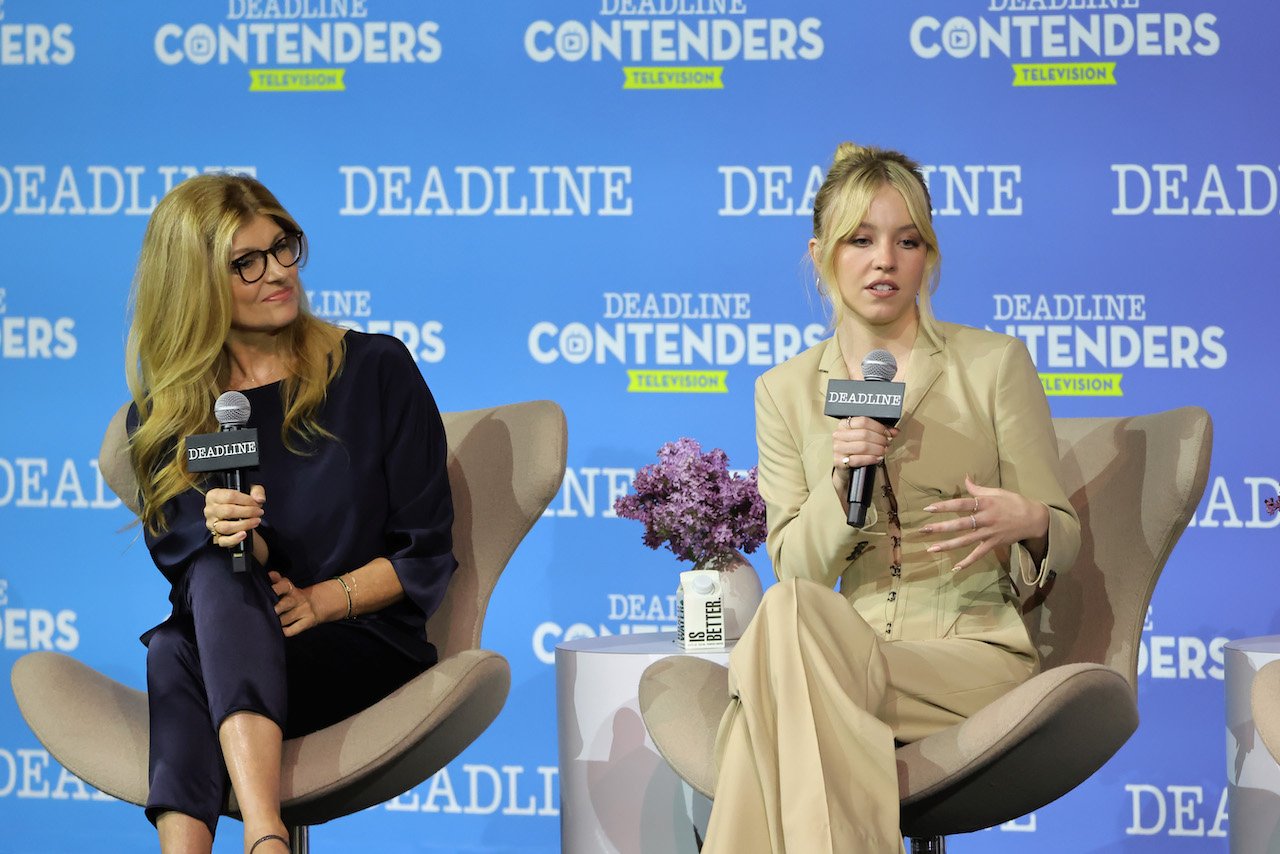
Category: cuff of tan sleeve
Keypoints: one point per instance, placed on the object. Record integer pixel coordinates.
(1038, 576)
(1030, 574)
(814, 543)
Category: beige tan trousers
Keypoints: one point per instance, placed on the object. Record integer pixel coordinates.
(805, 749)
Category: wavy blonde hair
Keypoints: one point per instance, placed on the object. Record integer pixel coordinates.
(176, 360)
(857, 173)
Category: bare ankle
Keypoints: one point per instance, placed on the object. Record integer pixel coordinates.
(268, 843)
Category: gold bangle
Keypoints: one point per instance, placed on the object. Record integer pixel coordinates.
(346, 590)
(355, 590)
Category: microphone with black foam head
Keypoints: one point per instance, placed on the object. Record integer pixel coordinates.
(229, 452)
(876, 396)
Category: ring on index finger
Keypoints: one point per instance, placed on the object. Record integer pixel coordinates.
(975, 504)
(974, 521)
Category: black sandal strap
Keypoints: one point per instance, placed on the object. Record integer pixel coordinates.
(268, 837)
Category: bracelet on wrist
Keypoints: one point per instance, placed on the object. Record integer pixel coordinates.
(346, 590)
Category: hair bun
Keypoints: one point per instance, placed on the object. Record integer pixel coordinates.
(849, 151)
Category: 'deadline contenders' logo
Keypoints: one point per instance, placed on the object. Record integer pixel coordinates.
(27, 629)
(27, 337)
(35, 43)
(629, 614)
(1079, 340)
(1062, 42)
(97, 189)
(298, 45)
(972, 189)
(354, 310)
(672, 342)
(674, 44)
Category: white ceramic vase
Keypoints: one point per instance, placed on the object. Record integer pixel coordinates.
(742, 591)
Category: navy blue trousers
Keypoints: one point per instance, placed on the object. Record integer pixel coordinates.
(224, 651)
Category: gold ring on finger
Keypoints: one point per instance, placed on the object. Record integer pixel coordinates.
(975, 504)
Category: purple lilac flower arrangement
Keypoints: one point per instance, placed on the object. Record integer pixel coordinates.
(689, 501)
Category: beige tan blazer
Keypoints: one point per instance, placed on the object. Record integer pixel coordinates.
(973, 404)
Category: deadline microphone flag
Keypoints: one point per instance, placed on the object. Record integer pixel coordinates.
(876, 397)
(229, 451)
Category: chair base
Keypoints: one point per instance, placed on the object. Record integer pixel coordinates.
(929, 845)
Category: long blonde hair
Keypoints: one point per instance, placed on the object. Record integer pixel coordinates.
(176, 362)
(843, 200)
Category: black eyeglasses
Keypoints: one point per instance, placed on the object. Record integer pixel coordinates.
(288, 251)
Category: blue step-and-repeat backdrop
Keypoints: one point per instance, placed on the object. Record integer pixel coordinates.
(606, 203)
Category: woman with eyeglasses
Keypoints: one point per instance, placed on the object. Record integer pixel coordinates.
(348, 516)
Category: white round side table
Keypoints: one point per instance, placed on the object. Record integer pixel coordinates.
(1253, 776)
(617, 793)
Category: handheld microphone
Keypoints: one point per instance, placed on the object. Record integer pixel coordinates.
(229, 451)
(876, 397)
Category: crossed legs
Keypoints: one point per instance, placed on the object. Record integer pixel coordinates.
(250, 745)
(805, 765)
(217, 667)
(806, 747)
(224, 688)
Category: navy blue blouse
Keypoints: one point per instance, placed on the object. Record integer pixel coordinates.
(379, 488)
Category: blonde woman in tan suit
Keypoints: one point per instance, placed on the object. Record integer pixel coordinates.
(892, 631)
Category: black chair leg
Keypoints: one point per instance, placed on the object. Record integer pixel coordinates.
(300, 839)
(929, 845)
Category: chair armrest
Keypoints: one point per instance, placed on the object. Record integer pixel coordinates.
(396, 743)
(1017, 754)
(98, 730)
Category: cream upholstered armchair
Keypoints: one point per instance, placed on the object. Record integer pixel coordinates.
(505, 465)
(1135, 483)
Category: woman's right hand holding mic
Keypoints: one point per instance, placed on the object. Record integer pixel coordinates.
(230, 516)
(857, 441)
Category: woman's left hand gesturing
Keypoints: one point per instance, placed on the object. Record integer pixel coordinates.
(990, 518)
(301, 608)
